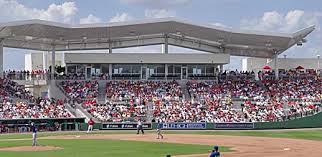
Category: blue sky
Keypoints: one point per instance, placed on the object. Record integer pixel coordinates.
(267, 15)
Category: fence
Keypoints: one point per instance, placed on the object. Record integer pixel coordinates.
(54, 124)
(314, 121)
(22, 125)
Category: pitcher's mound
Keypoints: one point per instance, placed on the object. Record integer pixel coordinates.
(30, 148)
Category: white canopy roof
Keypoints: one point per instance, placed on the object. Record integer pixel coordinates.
(44, 35)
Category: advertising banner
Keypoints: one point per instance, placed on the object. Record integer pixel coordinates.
(183, 125)
(125, 126)
(233, 125)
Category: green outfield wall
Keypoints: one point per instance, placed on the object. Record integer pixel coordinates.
(68, 124)
(314, 121)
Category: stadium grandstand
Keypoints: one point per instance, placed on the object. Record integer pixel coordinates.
(168, 87)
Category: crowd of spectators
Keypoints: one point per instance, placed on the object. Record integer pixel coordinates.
(233, 97)
(189, 111)
(80, 90)
(42, 108)
(236, 75)
(10, 89)
(81, 76)
(18, 103)
(213, 101)
(289, 74)
(286, 89)
(143, 90)
(26, 74)
(214, 90)
(296, 93)
(128, 100)
(116, 112)
(263, 111)
(297, 85)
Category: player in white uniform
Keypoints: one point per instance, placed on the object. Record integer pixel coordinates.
(140, 127)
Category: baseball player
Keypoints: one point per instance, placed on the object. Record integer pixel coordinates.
(90, 125)
(159, 127)
(140, 127)
(34, 134)
(215, 152)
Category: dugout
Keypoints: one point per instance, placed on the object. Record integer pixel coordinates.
(53, 124)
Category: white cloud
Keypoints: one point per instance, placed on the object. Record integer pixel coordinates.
(90, 19)
(158, 3)
(290, 22)
(121, 17)
(13, 10)
(158, 13)
(220, 25)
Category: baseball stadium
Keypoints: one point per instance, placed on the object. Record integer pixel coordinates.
(78, 96)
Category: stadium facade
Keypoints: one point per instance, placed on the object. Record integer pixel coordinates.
(213, 104)
(220, 43)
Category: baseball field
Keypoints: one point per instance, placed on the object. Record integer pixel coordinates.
(277, 143)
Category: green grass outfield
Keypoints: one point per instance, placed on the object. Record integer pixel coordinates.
(307, 134)
(105, 148)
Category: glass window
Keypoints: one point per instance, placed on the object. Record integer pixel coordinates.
(105, 68)
(210, 69)
(115, 71)
(177, 69)
(96, 69)
(136, 69)
(127, 68)
(116, 68)
(71, 68)
(201, 69)
(160, 69)
(170, 69)
(197, 69)
(96, 66)
(80, 68)
(151, 71)
(191, 69)
(156, 68)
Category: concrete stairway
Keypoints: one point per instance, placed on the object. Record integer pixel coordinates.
(260, 84)
(149, 114)
(101, 91)
(237, 104)
(77, 110)
(185, 92)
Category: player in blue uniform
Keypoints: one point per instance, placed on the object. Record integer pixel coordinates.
(34, 134)
(215, 152)
(159, 127)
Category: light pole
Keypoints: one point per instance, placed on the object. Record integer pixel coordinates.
(318, 61)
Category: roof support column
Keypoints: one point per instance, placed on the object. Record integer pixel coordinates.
(221, 68)
(275, 66)
(166, 71)
(1, 58)
(52, 82)
(110, 49)
(166, 44)
(216, 72)
(53, 61)
(44, 61)
(110, 71)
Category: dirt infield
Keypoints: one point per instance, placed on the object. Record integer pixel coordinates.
(242, 146)
(29, 148)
